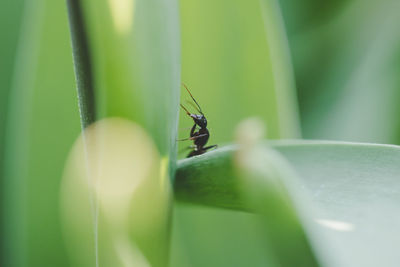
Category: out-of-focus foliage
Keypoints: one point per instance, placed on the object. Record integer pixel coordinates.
(347, 61)
(135, 56)
(115, 164)
(10, 20)
(136, 62)
(236, 61)
(42, 123)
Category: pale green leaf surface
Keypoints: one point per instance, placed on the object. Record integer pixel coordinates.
(353, 191)
(356, 191)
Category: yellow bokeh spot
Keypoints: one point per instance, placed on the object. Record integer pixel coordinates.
(122, 14)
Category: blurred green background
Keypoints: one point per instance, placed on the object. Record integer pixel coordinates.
(310, 69)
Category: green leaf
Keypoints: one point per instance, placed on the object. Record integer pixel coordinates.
(127, 64)
(82, 63)
(11, 14)
(354, 188)
(116, 197)
(136, 63)
(353, 211)
(41, 126)
(251, 179)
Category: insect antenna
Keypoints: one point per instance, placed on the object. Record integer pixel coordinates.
(193, 98)
(187, 112)
(195, 107)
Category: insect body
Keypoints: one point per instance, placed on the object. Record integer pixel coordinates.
(200, 136)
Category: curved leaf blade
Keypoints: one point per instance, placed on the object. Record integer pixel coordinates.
(353, 188)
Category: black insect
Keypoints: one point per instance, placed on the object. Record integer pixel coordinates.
(200, 136)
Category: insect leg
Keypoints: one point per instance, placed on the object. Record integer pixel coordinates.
(192, 138)
(184, 139)
(192, 130)
(209, 147)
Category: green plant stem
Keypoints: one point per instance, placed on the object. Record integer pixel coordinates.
(195, 180)
(212, 179)
(82, 63)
